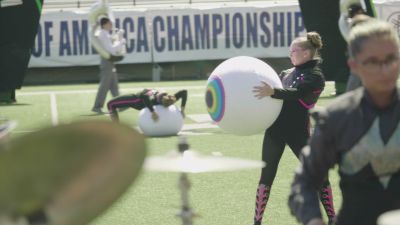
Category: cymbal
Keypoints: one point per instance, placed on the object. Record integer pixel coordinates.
(194, 162)
(390, 218)
(72, 172)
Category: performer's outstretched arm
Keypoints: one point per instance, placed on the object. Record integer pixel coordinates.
(182, 94)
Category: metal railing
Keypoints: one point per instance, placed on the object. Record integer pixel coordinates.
(60, 4)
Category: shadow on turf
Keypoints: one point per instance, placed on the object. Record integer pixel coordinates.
(194, 132)
(328, 97)
(95, 114)
(13, 104)
(204, 131)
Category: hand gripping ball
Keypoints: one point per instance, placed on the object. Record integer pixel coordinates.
(169, 123)
(230, 99)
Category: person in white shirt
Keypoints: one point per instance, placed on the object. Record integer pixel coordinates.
(108, 73)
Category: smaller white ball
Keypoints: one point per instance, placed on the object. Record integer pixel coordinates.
(169, 123)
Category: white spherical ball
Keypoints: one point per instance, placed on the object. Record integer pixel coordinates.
(169, 123)
(230, 99)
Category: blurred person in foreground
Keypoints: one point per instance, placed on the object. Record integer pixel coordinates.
(360, 132)
(354, 81)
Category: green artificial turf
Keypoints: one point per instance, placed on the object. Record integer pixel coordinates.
(220, 198)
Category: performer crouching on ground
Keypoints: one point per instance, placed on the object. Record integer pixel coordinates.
(146, 98)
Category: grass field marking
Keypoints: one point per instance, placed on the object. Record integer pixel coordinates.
(193, 87)
(197, 95)
(200, 118)
(198, 126)
(95, 90)
(190, 133)
(23, 131)
(190, 129)
(203, 121)
(54, 111)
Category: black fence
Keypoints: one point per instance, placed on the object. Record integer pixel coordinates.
(60, 4)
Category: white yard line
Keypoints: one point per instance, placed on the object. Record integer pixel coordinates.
(200, 118)
(23, 131)
(203, 121)
(198, 87)
(194, 87)
(198, 95)
(190, 133)
(197, 126)
(54, 111)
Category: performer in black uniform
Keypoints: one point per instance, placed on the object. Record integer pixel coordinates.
(302, 86)
(322, 17)
(360, 132)
(146, 98)
(356, 15)
(19, 21)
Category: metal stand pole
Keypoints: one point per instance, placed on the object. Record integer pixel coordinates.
(186, 213)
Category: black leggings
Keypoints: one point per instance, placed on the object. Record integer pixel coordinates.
(125, 101)
(273, 147)
(272, 150)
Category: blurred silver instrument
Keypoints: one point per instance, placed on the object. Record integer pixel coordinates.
(189, 161)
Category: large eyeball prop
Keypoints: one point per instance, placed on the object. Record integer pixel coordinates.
(230, 99)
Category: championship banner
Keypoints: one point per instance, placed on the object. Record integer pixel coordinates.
(175, 35)
(390, 12)
(63, 39)
(172, 35)
(225, 32)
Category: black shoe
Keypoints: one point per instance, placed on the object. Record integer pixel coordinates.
(5, 97)
(335, 93)
(13, 98)
(332, 221)
(98, 110)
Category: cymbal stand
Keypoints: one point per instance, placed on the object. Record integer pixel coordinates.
(186, 212)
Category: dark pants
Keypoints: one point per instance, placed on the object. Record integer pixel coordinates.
(108, 82)
(275, 140)
(292, 130)
(322, 17)
(123, 102)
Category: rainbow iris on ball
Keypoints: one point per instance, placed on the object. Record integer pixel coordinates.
(215, 98)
